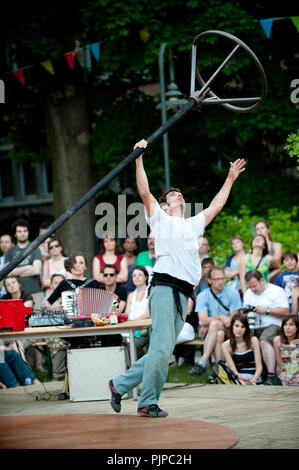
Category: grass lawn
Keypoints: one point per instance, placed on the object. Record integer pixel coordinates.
(179, 374)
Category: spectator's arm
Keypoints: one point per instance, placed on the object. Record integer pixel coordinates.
(123, 273)
(122, 306)
(190, 306)
(279, 312)
(257, 358)
(295, 297)
(204, 319)
(96, 271)
(274, 265)
(46, 281)
(242, 272)
(129, 302)
(30, 270)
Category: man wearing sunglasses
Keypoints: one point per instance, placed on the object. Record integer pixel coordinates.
(110, 272)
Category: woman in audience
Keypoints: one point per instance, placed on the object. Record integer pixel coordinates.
(274, 248)
(14, 370)
(258, 259)
(137, 307)
(110, 254)
(231, 268)
(286, 347)
(54, 265)
(242, 352)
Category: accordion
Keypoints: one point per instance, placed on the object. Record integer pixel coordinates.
(79, 304)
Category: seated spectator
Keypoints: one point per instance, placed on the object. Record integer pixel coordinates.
(76, 265)
(288, 279)
(6, 242)
(14, 370)
(274, 248)
(110, 254)
(131, 246)
(215, 307)
(242, 351)
(137, 307)
(295, 298)
(206, 266)
(258, 259)
(271, 306)
(286, 347)
(54, 264)
(231, 268)
(147, 258)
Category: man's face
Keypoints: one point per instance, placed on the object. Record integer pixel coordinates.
(151, 242)
(216, 280)
(5, 243)
(175, 199)
(22, 234)
(109, 276)
(130, 244)
(256, 286)
(203, 245)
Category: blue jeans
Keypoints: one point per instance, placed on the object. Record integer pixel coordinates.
(14, 370)
(152, 369)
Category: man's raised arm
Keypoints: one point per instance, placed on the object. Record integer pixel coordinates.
(220, 199)
(142, 182)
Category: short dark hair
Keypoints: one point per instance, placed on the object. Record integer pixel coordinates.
(289, 254)
(215, 268)
(20, 223)
(163, 196)
(70, 261)
(111, 266)
(142, 269)
(253, 273)
(55, 275)
(207, 261)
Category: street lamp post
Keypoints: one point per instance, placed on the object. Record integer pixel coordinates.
(174, 100)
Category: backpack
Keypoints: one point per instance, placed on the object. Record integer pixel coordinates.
(222, 374)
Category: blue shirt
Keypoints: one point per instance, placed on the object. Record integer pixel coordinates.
(288, 281)
(207, 303)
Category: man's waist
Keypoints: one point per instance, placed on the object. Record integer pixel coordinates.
(164, 279)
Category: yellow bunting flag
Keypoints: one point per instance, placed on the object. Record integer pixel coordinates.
(144, 35)
(48, 66)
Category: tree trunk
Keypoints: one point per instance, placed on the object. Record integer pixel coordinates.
(68, 135)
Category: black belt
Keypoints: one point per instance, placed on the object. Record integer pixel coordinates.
(178, 285)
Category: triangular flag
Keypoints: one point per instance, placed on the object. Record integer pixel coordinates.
(48, 66)
(88, 64)
(80, 56)
(267, 26)
(95, 49)
(19, 74)
(295, 20)
(70, 58)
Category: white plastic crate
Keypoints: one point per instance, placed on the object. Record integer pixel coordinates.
(90, 370)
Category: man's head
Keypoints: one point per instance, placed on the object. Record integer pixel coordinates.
(56, 279)
(203, 246)
(289, 260)
(130, 245)
(151, 242)
(216, 279)
(21, 229)
(5, 243)
(110, 272)
(174, 199)
(206, 265)
(255, 281)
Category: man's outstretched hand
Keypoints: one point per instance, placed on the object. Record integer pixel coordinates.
(236, 167)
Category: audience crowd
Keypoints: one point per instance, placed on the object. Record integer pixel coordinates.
(245, 312)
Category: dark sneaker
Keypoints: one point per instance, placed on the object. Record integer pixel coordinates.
(152, 411)
(272, 379)
(197, 371)
(115, 398)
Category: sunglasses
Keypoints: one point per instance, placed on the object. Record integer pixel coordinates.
(53, 246)
(109, 274)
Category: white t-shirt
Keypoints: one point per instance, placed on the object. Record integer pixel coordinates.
(176, 244)
(272, 297)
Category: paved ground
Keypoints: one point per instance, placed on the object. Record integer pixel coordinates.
(264, 417)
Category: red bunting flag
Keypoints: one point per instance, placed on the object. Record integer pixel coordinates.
(70, 58)
(19, 74)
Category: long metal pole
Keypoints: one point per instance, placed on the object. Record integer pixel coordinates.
(163, 114)
(96, 189)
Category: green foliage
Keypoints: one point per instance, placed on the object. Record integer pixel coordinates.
(293, 146)
(284, 226)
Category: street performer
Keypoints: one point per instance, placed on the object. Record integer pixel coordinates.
(177, 270)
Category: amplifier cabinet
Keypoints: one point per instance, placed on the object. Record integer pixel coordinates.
(90, 369)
